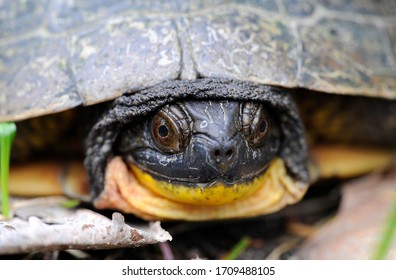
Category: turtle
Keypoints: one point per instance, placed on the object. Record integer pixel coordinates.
(197, 110)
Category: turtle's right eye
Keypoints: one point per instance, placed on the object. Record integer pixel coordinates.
(170, 129)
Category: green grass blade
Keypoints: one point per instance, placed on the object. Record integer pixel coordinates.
(70, 203)
(7, 134)
(238, 249)
(385, 242)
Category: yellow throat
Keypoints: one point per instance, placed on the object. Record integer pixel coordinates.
(129, 189)
(215, 194)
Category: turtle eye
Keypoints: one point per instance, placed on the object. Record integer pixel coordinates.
(170, 129)
(255, 123)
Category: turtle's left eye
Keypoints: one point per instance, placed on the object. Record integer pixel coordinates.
(255, 123)
(170, 129)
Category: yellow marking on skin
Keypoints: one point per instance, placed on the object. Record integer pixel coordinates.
(124, 192)
(216, 194)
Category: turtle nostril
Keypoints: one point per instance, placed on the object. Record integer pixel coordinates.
(223, 157)
(223, 154)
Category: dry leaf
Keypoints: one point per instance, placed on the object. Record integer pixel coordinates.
(355, 230)
(46, 227)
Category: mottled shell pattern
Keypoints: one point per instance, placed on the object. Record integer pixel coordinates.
(56, 55)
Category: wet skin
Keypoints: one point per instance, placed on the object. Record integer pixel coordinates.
(200, 143)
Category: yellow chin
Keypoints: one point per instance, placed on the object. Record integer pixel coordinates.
(215, 194)
(268, 193)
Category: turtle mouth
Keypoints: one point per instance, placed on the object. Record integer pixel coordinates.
(222, 190)
(128, 193)
(225, 179)
(228, 179)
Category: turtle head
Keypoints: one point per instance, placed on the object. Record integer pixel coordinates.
(198, 150)
(203, 152)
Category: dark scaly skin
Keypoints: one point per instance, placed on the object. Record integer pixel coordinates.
(349, 120)
(56, 136)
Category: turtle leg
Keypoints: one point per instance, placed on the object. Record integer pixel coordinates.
(342, 161)
(47, 178)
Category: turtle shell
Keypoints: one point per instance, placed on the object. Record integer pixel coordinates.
(62, 54)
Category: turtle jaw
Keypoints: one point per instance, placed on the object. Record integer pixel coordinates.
(217, 192)
(124, 192)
